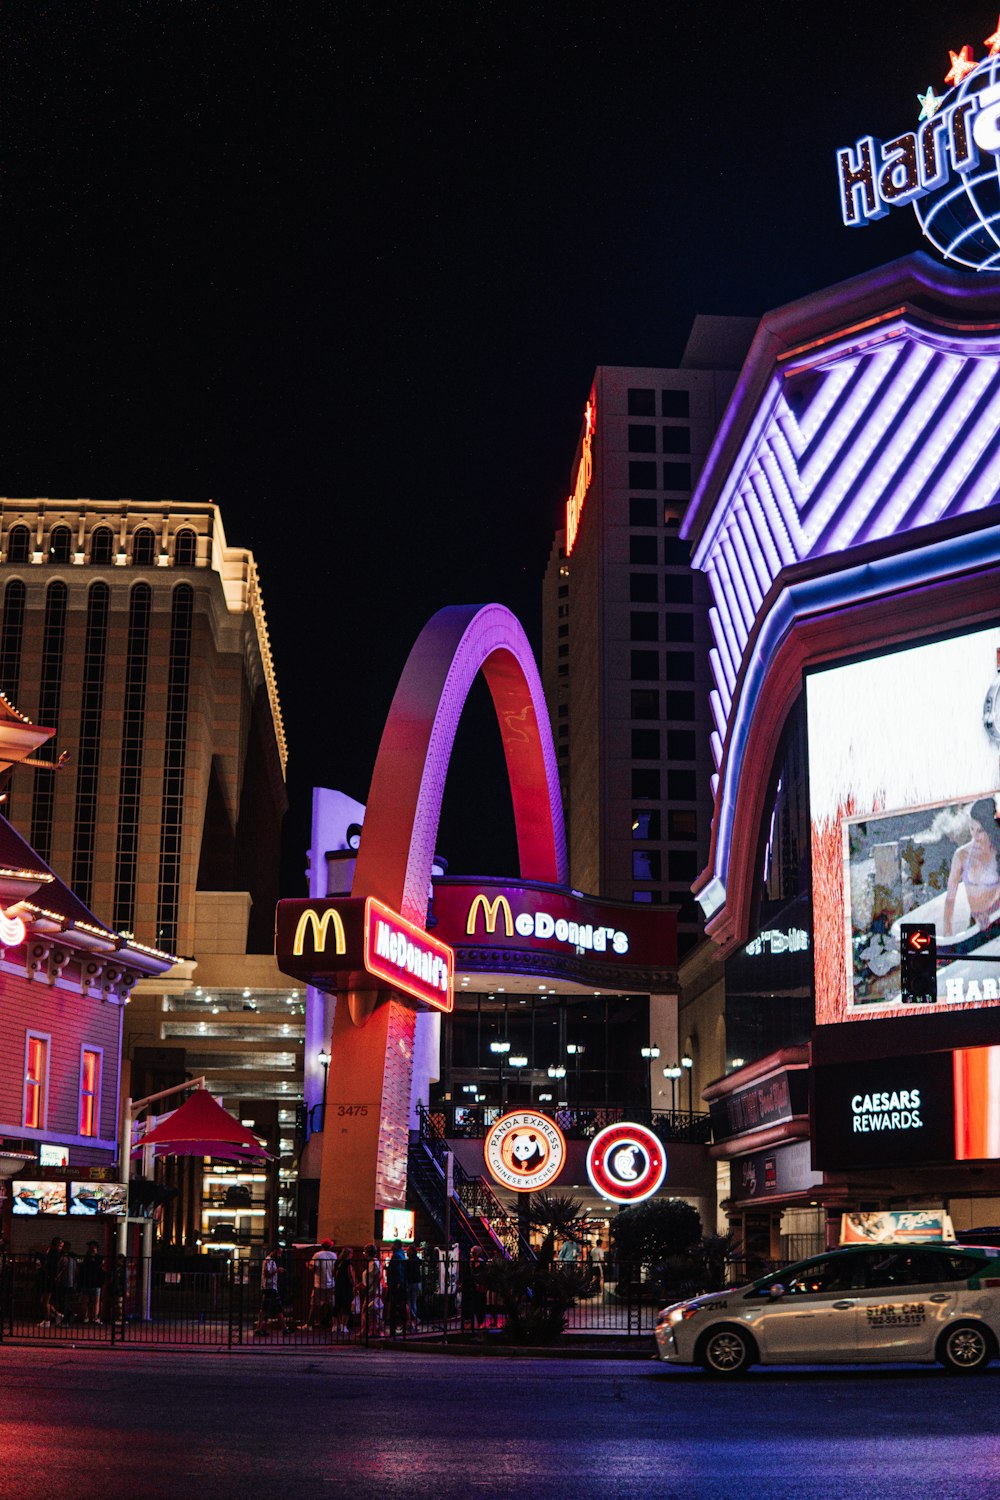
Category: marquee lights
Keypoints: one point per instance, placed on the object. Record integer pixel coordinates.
(584, 474)
(993, 42)
(962, 64)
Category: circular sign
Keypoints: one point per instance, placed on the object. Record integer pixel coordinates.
(626, 1163)
(525, 1151)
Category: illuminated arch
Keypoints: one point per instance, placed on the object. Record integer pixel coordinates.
(404, 802)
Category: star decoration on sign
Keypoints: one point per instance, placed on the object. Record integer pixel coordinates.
(962, 63)
(993, 42)
(929, 103)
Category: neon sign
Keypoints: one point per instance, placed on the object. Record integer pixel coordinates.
(319, 925)
(407, 957)
(582, 936)
(626, 1163)
(525, 1151)
(584, 474)
(949, 161)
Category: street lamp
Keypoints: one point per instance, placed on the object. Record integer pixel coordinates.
(687, 1063)
(673, 1074)
(556, 1070)
(649, 1053)
(500, 1050)
(576, 1051)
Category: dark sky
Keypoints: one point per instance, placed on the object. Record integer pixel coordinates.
(346, 269)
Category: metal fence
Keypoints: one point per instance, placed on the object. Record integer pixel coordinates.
(146, 1301)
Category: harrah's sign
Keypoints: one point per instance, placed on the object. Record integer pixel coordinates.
(584, 474)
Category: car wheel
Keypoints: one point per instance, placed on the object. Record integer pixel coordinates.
(726, 1351)
(966, 1348)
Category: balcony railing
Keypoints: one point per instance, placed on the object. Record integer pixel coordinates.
(452, 1120)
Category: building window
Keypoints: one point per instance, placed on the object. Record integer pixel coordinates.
(11, 641)
(563, 591)
(643, 588)
(675, 404)
(130, 774)
(680, 704)
(563, 650)
(676, 554)
(645, 666)
(91, 1066)
(642, 439)
(676, 476)
(642, 549)
(680, 744)
(645, 864)
(646, 783)
(678, 627)
(641, 475)
(681, 786)
(645, 823)
(644, 626)
(36, 1080)
(563, 670)
(49, 693)
(563, 631)
(682, 823)
(185, 549)
(19, 545)
(645, 703)
(144, 548)
(646, 896)
(641, 402)
(678, 588)
(680, 666)
(174, 758)
(642, 511)
(676, 439)
(89, 750)
(563, 711)
(60, 544)
(102, 547)
(564, 731)
(682, 864)
(645, 744)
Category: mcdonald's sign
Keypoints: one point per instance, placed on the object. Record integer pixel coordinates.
(320, 926)
(491, 910)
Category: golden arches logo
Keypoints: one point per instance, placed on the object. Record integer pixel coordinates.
(319, 925)
(491, 910)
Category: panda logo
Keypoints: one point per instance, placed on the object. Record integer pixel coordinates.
(526, 1153)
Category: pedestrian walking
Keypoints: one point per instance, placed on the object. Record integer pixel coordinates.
(396, 1289)
(323, 1267)
(271, 1317)
(344, 1290)
(47, 1283)
(414, 1273)
(372, 1290)
(473, 1289)
(90, 1280)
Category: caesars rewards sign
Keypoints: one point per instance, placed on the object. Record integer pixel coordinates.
(525, 1151)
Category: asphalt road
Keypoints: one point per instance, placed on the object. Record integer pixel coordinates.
(116, 1423)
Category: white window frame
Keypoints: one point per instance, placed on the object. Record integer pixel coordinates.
(99, 1054)
(29, 1037)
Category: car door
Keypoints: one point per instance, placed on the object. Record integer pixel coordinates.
(908, 1298)
(815, 1317)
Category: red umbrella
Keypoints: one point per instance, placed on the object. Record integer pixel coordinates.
(200, 1127)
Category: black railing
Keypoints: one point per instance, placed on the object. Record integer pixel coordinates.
(449, 1120)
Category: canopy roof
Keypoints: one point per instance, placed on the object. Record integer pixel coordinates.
(201, 1127)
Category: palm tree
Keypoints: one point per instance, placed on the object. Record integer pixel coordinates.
(559, 1215)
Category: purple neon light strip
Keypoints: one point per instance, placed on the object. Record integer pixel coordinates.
(825, 486)
(773, 519)
(757, 517)
(776, 465)
(986, 483)
(756, 547)
(869, 379)
(737, 586)
(837, 375)
(725, 677)
(976, 442)
(744, 565)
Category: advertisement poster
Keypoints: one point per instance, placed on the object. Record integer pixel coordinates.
(98, 1198)
(904, 778)
(34, 1198)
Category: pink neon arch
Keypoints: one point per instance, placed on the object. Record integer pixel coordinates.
(404, 801)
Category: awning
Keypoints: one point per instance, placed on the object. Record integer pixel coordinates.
(201, 1127)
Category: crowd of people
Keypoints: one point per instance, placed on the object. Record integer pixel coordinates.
(70, 1288)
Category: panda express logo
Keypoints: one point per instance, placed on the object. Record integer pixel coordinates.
(525, 1151)
(626, 1163)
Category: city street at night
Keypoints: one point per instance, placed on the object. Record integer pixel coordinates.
(79, 1424)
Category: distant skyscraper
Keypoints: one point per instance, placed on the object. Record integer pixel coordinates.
(625, 629)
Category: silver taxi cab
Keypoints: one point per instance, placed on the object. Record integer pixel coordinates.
(861, 1304)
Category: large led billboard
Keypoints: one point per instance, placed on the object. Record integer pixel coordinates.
(903, 788)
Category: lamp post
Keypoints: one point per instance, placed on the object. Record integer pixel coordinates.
(576, 1051)
(650, 1054)
(687, 1063)
(518, 1063)
(673, 1073)
(556, 1071)
(500, 1050)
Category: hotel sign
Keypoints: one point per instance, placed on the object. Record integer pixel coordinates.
(584, 474)
(335, 943)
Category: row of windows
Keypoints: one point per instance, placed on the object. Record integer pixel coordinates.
(37, 1047)
(89, 749)
(681, 744)
(103, 546)
(646, 549)
(49, 694)
(644, 625)
(175, 746)
(646, 510)
(682, 786)
(672, 439)
(644, 588)
(646, 704)
(647, 864)
(642, 475)
(682, 823)
(675, 666)
(642, 402)
(133, 725)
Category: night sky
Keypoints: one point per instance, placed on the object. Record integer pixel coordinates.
(347, 270)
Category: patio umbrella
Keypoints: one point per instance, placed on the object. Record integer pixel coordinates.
(201, 1127)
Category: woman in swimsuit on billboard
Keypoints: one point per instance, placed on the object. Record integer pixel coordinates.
(977, 866)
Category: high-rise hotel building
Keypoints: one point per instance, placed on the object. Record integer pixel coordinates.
(626, 639)
(138, 633)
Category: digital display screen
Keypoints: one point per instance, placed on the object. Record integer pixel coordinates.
(33, 1198)
(903, 773)
(398, 1224)
(98, 1198)
(907, 1111)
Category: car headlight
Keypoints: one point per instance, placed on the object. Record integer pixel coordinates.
(671, 1316)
